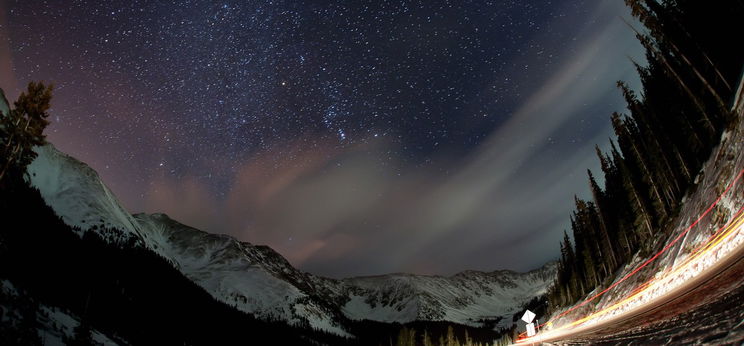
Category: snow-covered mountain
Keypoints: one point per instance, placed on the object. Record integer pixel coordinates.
(470, 297)
(257, 280)
(254, 279)
(78, 195)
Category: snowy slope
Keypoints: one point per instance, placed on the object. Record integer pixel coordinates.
(78, 196)
(469, 297)
(254, 279)
(53, 325)
(721, 170)
(257, 280)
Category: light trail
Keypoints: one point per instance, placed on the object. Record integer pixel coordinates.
(656, 283)
(647, 288)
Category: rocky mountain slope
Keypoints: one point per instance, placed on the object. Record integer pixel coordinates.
(257, 280)
(471, 297)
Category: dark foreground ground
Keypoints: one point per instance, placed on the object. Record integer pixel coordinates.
(710, 312)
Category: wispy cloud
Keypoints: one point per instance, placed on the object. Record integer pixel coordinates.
(340, 213)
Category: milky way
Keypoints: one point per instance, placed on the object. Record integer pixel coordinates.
(187, 106)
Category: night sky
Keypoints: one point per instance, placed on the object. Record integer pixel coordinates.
(353, 137)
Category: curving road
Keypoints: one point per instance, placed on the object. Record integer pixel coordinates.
(708, 309)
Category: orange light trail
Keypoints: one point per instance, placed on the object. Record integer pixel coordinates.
(710, 243)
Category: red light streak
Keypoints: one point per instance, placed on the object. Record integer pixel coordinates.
(644, 286)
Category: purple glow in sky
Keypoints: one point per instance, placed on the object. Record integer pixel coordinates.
(353, 138)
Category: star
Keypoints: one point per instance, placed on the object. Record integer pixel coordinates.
(213, 89)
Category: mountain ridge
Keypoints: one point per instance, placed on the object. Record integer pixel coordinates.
(258, 280)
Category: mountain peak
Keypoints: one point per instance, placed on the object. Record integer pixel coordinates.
(258, 280)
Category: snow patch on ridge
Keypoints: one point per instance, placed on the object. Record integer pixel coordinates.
(472, 298)
(257, 280)
(54, 325)
(77, 195)
(235, 273)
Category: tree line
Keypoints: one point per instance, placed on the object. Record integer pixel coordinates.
(129, 293)
(411, 337)
(667, 133)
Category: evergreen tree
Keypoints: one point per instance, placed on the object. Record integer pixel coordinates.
(22, 129)
(669, 132)
(451, 340)
(426, 339)
(468, 340)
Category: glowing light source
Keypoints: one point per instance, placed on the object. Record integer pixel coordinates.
(723, 233)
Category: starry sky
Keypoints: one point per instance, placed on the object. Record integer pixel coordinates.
(353, 137)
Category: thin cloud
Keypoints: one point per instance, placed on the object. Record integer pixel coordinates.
(340, 213)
